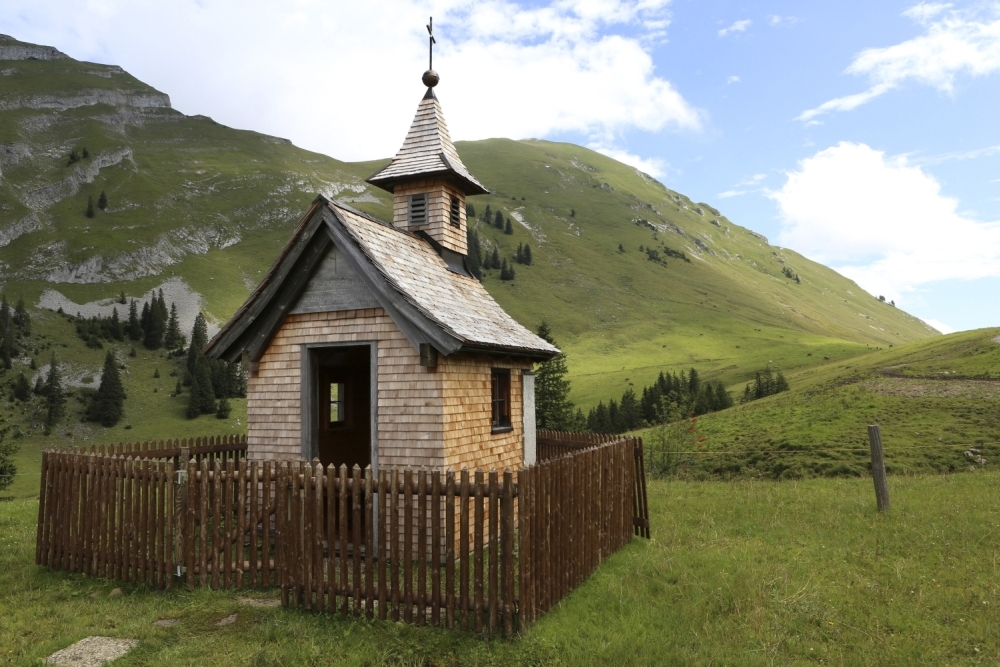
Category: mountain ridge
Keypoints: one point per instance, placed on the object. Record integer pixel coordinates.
(194, 200)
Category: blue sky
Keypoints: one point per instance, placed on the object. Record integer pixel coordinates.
(864, 135)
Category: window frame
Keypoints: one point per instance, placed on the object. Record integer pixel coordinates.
(500, 408)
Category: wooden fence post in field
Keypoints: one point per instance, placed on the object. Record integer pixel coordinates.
(878, 468)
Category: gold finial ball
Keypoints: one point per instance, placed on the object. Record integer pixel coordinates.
(431, 78)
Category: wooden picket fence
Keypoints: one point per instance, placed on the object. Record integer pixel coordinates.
(474, 550)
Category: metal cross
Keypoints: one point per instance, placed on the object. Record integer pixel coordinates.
(430, 46)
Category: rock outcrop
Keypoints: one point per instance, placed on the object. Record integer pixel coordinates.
(11, 49)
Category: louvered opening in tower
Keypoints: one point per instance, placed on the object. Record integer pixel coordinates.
(418, 209)
(455, 216)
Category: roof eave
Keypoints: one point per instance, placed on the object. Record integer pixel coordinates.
(468, 186)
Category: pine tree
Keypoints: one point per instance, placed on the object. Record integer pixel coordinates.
(224, 408)
(506, 270)
(55, 398)
(133, 328)
(144, 318)
(202, 399)
(73, 157)
(108, 404)
(22, 388)
(21, 317)
(474, 259)
(116, 329)
(6, 334)
(102, 201)
(470, 212)
(553, 409)
(526, 256)
(237, 380)
(572, 213)
(86, 153)
(498, 220)
(121, 298)
(199, 339)
(488, 216)
(156, 324)
(519, 254)
(90, 207)
(508, 228)
(173, 338)
(494, 260)
(620, 248)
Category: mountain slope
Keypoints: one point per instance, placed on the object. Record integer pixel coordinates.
(195, 200)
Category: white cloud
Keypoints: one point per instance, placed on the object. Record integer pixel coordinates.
(882, 221)
(954, 42)
(344, 78)
(739, 26)
(733, 79)
(776, 20)
(653, 166)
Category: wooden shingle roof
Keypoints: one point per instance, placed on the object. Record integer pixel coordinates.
(427, 152)
(429, 301)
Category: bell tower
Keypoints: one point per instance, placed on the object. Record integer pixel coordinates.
(428, 181)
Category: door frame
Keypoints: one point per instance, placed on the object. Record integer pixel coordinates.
(308, 398)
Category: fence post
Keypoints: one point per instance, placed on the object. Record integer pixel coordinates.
(180, 514)
(878, 468)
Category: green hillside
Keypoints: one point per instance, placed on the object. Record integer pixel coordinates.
(207, 207)
(935, 400)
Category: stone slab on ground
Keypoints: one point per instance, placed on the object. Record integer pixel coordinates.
(166, 622)
(92, 652)
(260, 602)
(228, 620)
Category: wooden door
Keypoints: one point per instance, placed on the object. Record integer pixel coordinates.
(343, 406)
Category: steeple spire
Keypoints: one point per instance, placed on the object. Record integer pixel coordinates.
(427, 177)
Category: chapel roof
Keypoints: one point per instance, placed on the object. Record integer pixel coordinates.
(427, 152)
(430, 301)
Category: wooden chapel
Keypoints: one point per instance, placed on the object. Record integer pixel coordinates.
(371, 343)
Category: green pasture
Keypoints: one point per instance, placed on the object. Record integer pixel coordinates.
(743, 573)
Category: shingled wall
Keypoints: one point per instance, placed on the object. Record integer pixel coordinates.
(435, 418)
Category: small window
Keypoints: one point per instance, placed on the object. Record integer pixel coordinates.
(337, 403)
(501, 400)
(456, 219)
(418, 209)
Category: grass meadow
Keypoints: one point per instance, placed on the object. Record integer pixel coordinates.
(739, 573)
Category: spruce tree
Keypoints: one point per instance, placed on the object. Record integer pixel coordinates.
(144, 318)
(553, 409)
(22, 388)
(108, 404)
(224, 408)
(102, 201)
(156, 324)
(474, 258)
(134, 327)
(494, 261)
(55, 397)
(508, 228)
(202, 397)
(199, 339)
(115, 327)
(498, 220)
(73, 157)
(488, 216)
(173, 338)
(526, 256)
(6, 333)
(21, 317)
(90, 207)
(121, 298)
(470, 212)
(86, 153)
